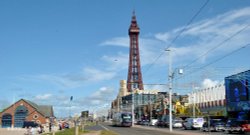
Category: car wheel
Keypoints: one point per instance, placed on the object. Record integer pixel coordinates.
(229, 132)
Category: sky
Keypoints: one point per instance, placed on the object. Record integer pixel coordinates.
(51, 50)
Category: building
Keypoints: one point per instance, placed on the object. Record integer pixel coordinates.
(143, 103)
(25, 110)
(238, 95)
(208, 101)
(134, 80)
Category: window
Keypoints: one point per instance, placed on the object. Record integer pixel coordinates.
(35, 116)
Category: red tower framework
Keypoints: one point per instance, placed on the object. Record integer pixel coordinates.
(134, 80)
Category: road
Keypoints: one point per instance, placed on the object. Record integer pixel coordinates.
(149, 130)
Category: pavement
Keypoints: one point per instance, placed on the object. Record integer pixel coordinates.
(12, 131)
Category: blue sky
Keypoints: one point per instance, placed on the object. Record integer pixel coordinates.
(53, 49)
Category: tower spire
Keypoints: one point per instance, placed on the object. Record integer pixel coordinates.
(134, 80)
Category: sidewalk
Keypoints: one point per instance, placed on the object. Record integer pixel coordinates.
(12, 131)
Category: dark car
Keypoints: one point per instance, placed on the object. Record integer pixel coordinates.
(27, 124)
(240, 126)
(214, 125)
(144, 122)
(161, 123)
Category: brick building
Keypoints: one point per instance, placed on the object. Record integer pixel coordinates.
(25, 110)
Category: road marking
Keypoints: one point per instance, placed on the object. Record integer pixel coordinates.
(104, 127)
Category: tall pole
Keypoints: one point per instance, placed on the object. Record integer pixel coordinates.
(170, 78)
(132, 111)
(193, 96)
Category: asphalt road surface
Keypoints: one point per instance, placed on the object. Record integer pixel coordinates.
(149, 130)
(140, 130)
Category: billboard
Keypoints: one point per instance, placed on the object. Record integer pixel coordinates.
(238, 92)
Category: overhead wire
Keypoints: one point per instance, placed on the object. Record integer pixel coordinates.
(215, 47)
(220, 44)
(212, 62)
(179, 34)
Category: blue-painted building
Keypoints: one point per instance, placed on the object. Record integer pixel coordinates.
(238, 95)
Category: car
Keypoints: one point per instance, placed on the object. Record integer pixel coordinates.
(193, 123)
(246, 126)
(161, 123)
(144, 122)
(177, 123)
(153, 122)
(27, 124)
(214, 125)
(239, 126)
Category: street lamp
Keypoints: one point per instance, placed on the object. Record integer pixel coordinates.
(132, 107)
(170, 80)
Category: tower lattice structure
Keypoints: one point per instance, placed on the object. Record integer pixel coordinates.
(134, 80)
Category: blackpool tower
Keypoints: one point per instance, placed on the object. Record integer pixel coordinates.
(134, 80)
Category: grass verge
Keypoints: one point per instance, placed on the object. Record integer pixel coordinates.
(105, 132)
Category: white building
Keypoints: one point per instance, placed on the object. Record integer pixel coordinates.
(208, 97)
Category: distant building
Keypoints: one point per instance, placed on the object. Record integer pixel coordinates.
(209, 101)
(25, 110)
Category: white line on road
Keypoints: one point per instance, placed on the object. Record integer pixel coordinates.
(104, 127)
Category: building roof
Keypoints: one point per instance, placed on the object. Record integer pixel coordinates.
(45, 110)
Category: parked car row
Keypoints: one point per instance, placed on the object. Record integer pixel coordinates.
(234, 125)
(214, 125)
(205, 125)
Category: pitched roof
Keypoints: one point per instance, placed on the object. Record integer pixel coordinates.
(45, 110)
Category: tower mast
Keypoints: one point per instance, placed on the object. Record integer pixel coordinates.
(134, 80)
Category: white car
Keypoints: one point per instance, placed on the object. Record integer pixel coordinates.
(153, 122)
(193, 123)
(177, 123)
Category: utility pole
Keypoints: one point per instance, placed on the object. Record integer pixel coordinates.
(170, 79)
(132, 107)
(193, 96)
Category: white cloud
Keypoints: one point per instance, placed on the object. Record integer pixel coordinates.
(163, 36)
(43, 97)
(196, 40)
(73, 80)
(207, 34)
(116, 63)
(118, 41)
(94, 74)
(62, 80)
(102, 96)
(209, 83)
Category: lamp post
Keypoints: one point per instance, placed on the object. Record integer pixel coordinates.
(132, 108)
(170, 81)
